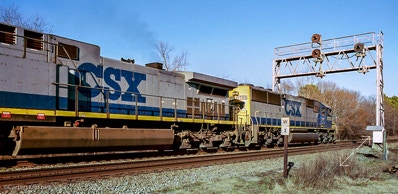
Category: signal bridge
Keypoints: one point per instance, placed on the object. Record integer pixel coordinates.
(361, 53)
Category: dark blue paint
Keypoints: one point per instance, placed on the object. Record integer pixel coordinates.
(113, 78)
(21, 100)
(292, 108)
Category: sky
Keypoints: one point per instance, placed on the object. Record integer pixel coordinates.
(232, 39)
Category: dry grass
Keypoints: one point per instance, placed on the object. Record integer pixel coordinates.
(325, 171)
(315, 173)
(361, 172)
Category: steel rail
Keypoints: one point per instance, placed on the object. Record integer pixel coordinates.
(71, 173)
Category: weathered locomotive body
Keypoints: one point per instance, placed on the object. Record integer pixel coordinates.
(310, 120)
(60, 95)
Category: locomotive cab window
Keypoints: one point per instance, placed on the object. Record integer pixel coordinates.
(7, 34)
(65, 49)
(33, 40)
(329, 116)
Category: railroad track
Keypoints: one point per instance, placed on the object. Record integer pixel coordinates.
(71, 173)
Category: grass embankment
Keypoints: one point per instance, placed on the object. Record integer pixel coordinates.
(363, 172)
(348, 171)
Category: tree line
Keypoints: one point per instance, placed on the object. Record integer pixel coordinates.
(352, 112)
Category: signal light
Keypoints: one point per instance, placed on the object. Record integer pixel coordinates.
(360, 49)
(316, 38)
(316, 53)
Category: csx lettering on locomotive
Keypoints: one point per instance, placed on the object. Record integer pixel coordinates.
(292, 108)
(113, 78)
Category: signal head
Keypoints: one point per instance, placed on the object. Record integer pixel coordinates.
(316, 38)
(359, 47)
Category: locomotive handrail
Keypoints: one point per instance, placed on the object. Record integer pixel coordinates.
(275, 117)
(274, 122)
(175, 100)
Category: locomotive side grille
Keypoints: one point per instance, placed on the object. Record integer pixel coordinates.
(266, 97)
(33, 40)
(222, 108)
(7, 34)
(259, 96)
(65, 49)
(310, 103)
(193, 106)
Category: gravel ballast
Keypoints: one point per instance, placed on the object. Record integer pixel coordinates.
(155, 182)
(226, 178)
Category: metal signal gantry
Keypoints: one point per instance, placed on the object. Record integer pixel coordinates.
(321, 57)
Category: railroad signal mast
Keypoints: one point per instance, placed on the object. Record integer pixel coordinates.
(338, 55)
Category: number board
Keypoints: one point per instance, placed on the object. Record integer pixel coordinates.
(285, 126)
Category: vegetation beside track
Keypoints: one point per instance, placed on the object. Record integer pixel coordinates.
(364, 171)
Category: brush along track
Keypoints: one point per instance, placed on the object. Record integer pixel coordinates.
(73, 173)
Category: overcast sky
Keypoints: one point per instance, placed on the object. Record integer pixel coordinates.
(226, 38)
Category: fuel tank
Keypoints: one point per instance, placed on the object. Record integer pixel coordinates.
(37, 138)
(303, 137)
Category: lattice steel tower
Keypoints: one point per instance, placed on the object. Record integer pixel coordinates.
(321, 57)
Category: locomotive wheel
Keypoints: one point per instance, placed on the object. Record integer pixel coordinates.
(271, 145)
(242, 148)
(192, 151)
(210, 150)
(229, 148)
(254, 147)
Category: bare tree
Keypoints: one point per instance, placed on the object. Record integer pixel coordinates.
(310, 91)
(391, 114)
(176, 63)
(351, 112)
(288, 87)
(11, 15)
(294, 87)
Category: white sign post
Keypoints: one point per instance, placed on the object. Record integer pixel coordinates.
(285, 132)
(285, 126)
